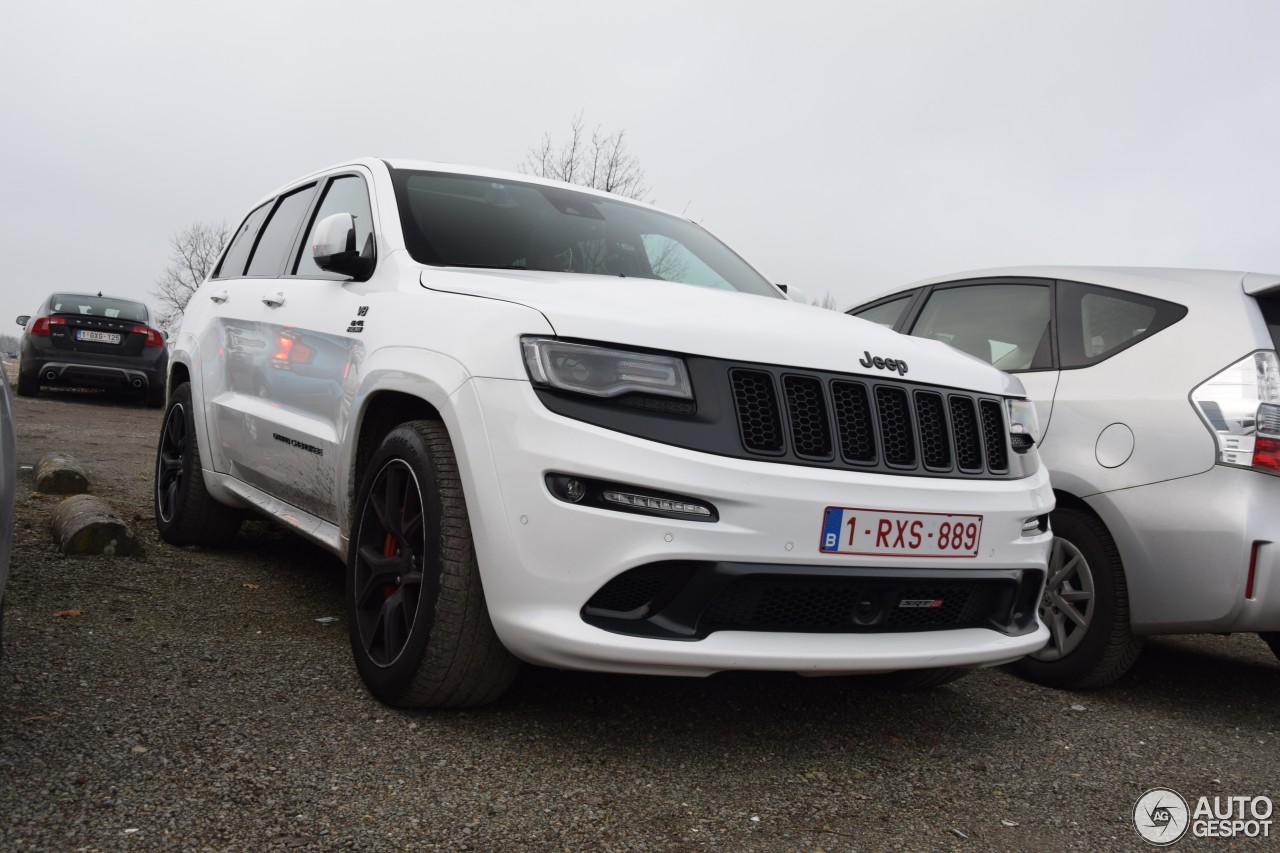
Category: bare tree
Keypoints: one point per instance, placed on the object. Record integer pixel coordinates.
(193, 252)
(828, 302)
(599, 160)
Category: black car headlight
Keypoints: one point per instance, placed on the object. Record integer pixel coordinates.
(604, 372)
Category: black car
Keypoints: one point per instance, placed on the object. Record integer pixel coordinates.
(80, 340)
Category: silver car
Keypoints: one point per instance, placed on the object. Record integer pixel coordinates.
(1158, 399)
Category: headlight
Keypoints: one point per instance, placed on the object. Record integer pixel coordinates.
(1024, 426)
(1241, 405)
(603, 372)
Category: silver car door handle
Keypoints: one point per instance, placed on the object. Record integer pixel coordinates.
(219, 297)
(274, 300)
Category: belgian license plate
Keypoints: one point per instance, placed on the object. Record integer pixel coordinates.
(881, 533)
(98, 337)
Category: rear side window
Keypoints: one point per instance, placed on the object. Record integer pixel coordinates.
(233, 261)
(885, 314)
(1095, 323)
(1007, 325)
(1270, 306)
(282, 229)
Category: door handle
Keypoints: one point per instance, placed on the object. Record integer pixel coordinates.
(273, 300)
(219, 297)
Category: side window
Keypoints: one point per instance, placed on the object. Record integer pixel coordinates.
(282, 228)
(233, 261)
(345, 194)
(1095, 323)
(1006, 325)
(886, 314)
(1270, 306)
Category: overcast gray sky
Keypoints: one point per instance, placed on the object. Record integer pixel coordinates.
(844, 147)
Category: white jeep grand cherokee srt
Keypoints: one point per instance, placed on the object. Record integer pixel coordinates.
(544, 423)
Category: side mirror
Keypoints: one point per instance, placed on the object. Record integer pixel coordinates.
(795, 294)
(22, 319)
(334, 247)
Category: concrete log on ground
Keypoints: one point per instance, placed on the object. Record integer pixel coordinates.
(84, 524)
(60, 474)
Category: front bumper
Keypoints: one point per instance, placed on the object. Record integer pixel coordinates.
(1187, 545)
(543, 559)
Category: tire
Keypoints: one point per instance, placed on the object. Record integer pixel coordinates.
(1086, 606)
(1272, 639)
(186, 514)
(923, 679)
(155, 396)
(416, 613)
(28, 384)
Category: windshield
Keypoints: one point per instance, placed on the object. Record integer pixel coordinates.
(466, 221)
(97, 306)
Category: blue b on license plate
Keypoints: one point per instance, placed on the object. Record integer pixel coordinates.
(881, 533)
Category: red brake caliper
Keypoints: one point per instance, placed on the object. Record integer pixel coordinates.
(389, 549)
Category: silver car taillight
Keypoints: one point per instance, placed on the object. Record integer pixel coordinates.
(1241, 405)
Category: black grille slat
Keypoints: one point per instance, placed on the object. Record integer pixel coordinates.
(935, 439)
(759, 421)
(810, 424)
(896, 431)
(993, 435)
(853, 422)
(968, 441)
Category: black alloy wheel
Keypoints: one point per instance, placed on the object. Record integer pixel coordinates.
(387, 577)
(186, 514)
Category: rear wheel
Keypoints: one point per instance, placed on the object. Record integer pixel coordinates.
(1086, 606)
(28, 383)
(186, 514)
(416, 613)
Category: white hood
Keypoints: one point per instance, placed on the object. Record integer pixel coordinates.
(683, 318)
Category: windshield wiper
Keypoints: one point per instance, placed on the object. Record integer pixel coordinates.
(487, 266)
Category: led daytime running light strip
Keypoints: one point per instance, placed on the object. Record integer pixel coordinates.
(655, 504)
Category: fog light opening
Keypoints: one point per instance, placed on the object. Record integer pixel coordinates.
(585, 491)
(1034, 525)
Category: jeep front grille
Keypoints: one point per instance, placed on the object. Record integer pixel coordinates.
(871, 424)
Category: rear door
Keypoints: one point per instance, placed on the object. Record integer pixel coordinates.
(313, 325)
(238, 383)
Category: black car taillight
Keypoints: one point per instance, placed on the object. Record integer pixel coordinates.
(154, 338)
(42, 325)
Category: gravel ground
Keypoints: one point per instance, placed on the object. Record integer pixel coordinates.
(197, 703)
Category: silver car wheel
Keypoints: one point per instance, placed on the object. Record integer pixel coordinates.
(1068, 601)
